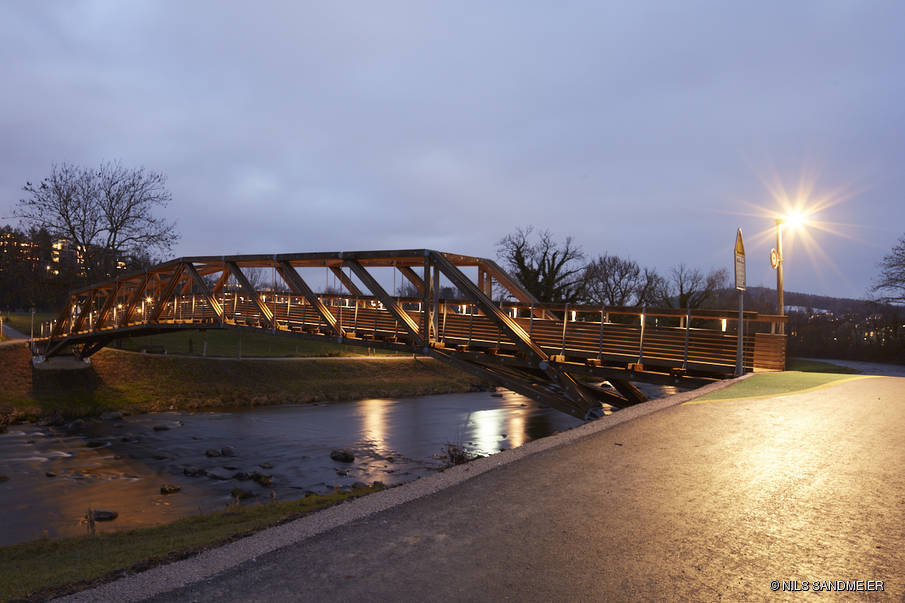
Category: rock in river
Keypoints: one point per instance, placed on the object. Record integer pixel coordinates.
(342, 456)
(104, 515)
(112, 415)
(95, 443)
(169, 489)
(193, 471)
(228, 451)
(218, 474)
(161, 428)
(212, 452)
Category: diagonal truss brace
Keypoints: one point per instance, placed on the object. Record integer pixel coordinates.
(265, 311)
(167, 293)
(389, 303)
(350, 286)
(108, 306)
(298, 285)
(516, 333)
(202, 287)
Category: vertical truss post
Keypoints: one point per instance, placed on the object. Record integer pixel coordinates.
(687, 327)
(641, 340)
(435, 310)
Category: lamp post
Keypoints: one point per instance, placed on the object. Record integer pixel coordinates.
(780, 305)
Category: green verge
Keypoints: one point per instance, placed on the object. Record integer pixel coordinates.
(147, 382)
(228, 343)
(774, 384)
(818, 366)
(47, 568)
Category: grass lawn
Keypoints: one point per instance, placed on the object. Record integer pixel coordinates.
(21, 321)
(225, 343)
(147, 382)
(44, 566)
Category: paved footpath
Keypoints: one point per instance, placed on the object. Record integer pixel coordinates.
(704, 501)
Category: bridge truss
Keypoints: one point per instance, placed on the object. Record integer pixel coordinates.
(549, 352)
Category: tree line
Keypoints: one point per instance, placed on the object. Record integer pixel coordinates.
(558, 271)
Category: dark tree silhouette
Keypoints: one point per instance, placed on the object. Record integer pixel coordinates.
(551, 270)
(106, 213)
(892, 274)
(691, 288)
(614, 281)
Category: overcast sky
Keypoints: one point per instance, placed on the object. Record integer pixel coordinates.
(647, 129)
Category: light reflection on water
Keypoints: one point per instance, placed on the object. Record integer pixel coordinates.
(394, 441)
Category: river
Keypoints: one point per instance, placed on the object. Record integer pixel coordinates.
(55, 474)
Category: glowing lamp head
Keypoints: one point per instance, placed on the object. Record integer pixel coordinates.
(795, 219)
(149, 300)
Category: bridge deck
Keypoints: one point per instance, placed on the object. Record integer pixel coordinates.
(541, 350)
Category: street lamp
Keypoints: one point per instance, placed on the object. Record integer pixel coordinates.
(792, 220)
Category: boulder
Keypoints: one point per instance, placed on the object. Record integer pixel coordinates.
(212, 452)
(104, 515)
(218, 474)
(227, 451)
(266, 465)
(50, 474)
(193, 471)
(242, 476)
(342, 455)
(96, 443)
(169, 489)
(161, 428)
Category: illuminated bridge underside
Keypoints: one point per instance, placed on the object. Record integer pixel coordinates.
(549, 352)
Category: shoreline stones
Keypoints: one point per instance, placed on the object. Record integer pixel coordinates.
(241, 493)
(192, 471)
(103, 515)
(342, 455)
(169, 489)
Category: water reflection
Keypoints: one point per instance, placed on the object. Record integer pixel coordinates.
(54, 476)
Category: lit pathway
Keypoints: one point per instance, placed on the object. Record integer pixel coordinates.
(701, 501)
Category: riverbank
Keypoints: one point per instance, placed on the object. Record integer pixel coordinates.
(47, 568)
(136, 383)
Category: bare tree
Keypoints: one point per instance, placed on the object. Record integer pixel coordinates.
(106, 213)
(552, 271)
(691, 288)
(892, 274)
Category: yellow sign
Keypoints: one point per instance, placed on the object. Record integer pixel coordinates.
(739, 261)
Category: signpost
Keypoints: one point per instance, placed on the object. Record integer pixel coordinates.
(740, 287)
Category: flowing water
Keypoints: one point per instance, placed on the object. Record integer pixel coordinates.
(55, 474)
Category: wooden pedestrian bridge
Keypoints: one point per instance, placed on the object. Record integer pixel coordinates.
(487, 323)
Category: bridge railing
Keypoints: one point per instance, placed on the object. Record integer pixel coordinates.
(700, 339)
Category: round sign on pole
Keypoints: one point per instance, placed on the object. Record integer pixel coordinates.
(774, 259)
